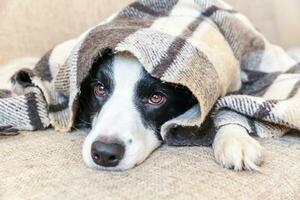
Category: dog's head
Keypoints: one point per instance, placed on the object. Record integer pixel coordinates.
(125, 107)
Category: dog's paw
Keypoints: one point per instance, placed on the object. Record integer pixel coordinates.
(235, 149)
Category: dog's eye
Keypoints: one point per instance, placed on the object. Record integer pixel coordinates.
(157, 99)
(100, 89)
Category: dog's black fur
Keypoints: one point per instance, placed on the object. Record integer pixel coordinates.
(178, 98)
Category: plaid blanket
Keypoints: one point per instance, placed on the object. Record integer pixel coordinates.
(237, 76)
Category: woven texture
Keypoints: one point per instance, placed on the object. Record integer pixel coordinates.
(48, 165)
(204, 45)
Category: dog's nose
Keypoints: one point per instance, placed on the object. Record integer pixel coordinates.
(107, 155)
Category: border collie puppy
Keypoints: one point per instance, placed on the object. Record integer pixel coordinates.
(125, 107)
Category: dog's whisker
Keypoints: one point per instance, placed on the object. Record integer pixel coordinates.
(81, 120)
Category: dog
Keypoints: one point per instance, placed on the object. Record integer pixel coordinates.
(123, 107)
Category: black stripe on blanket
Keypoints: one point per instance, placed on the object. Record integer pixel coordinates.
(264, 109)
(145, 9)
(142, 8)
(212, 9)
(94, 41)
(42, 68)
(176, 47)
(294, 90)
(294, 69)
(8, 131)
(252, 126)
(258, 83)
(53, 108)
(245, 44)
(32, 110)
(5, 93)
(178, 44)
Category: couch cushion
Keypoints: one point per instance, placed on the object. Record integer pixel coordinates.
(46, 165)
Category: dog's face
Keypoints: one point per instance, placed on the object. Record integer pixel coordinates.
(125, 108)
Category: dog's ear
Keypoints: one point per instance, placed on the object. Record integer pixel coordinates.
(191, 136)
(21, 80)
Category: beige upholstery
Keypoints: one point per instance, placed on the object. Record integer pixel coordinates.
(48, 165)
(30, 27)
(22, 23)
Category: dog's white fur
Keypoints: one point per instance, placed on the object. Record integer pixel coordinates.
(235, 149)
(119, 119)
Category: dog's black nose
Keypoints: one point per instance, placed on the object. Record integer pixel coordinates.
(107, 155)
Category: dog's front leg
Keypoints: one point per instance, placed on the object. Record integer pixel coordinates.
(235, 149)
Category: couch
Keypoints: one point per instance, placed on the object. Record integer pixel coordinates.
(48, 165)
